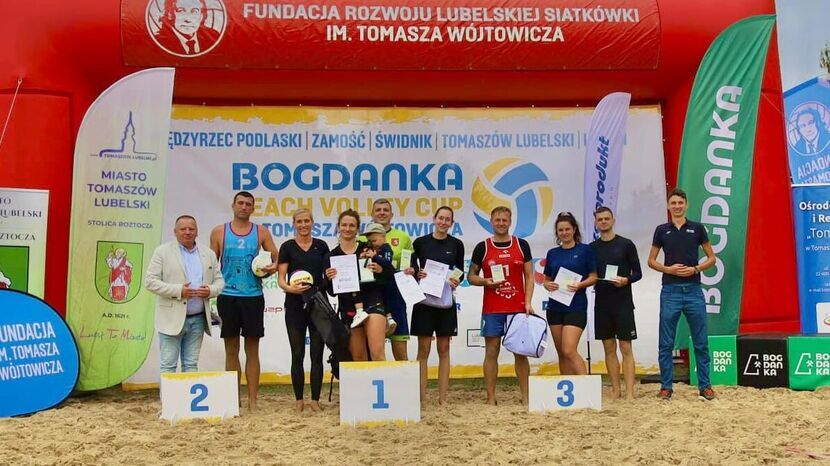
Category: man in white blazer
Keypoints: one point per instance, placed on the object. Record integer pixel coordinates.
(184, 275)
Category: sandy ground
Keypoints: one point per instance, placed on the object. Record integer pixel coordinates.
(744, 426)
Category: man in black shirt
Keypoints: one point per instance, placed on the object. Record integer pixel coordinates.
(680, 239)
(614, 305)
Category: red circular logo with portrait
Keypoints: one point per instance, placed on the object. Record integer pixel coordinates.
(186, 28)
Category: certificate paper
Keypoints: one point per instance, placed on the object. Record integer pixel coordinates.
(433, 283)
(409, 289)
(611, 272)
(456, 274)
(347, 279)
(406, 259)
(366, 274)
(497, 273)
(563, 278)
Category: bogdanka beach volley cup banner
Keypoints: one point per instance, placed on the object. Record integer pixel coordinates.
(117, 206)
(330, 160)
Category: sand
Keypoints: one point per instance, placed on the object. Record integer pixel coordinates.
(744, 426)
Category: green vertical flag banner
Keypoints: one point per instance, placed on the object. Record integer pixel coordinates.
(716, 160)
(117, 208)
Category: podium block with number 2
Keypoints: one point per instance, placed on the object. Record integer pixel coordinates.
(212, 396)
(553, 393)
(379, 392)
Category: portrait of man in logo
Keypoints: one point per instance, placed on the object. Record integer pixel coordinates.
(807, 130)
(186, 28)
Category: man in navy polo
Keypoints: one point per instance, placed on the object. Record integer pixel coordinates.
(680, 239)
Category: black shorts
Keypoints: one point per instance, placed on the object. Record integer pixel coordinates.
(243, 315)
(378, 308)
(428, 320)
(617, 323)
(575, 319)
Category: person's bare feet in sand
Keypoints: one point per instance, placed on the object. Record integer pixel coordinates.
(299, 405)
(315, 406)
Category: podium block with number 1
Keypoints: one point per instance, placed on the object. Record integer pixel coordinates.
(379, 392)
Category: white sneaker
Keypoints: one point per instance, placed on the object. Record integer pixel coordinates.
(359, 318)
(391, 325)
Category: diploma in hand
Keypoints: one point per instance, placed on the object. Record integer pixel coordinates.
(497, 273)
(366, 274)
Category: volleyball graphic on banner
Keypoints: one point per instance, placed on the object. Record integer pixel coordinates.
(509, 179)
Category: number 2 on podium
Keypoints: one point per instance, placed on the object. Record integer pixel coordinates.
(567, 398)
(203, 393)
(380, 404)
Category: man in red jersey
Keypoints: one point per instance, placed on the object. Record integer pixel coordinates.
(507, 277)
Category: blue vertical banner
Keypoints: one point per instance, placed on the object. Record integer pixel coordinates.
(807, 108)
(803, 48)
(812, 238)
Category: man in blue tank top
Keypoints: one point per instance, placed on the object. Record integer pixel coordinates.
(241, 304)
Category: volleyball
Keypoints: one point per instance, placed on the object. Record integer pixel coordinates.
(262, 259)
(300, 277)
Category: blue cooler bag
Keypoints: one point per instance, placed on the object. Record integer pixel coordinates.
(526, 335)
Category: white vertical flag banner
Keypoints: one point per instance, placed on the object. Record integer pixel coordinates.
(603, 164)
(23, 216)
(117, 205)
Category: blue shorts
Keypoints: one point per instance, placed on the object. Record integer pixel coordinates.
(402, 329)
(492, 325)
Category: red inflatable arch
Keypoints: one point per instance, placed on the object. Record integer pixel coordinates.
(67, 52)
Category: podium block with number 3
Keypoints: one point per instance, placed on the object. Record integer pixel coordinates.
(379, 393)
(212, 396)
(552, 393)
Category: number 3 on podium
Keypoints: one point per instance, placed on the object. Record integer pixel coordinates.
(566, 387)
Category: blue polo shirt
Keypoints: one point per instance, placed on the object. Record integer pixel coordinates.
(680, 246)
